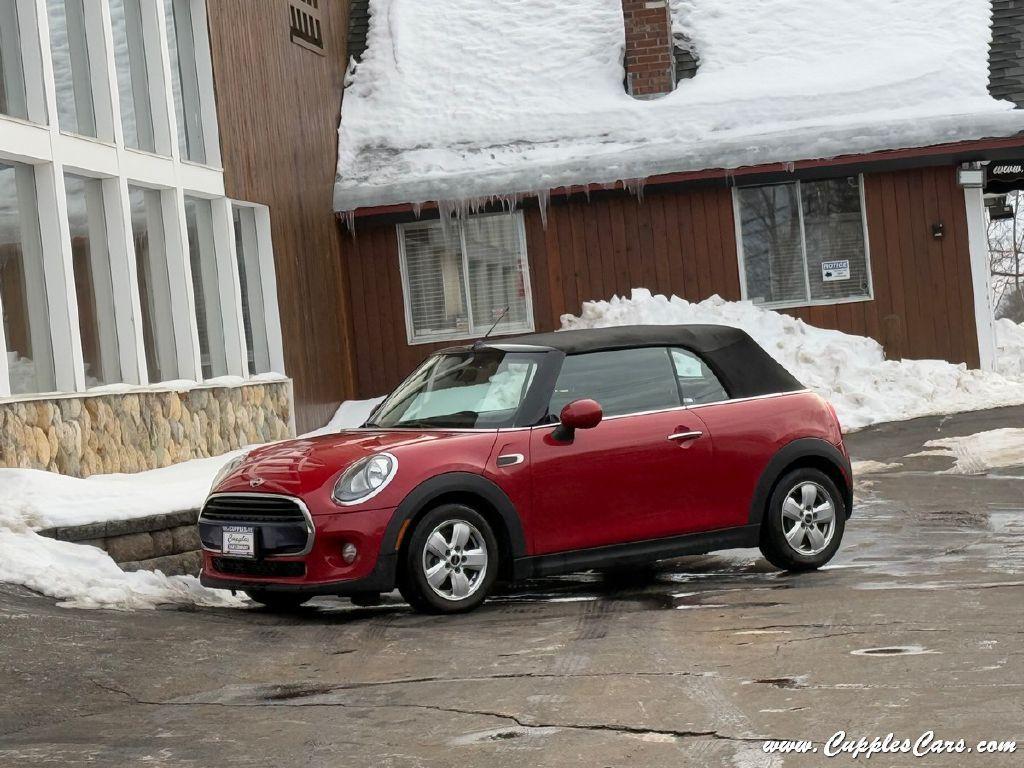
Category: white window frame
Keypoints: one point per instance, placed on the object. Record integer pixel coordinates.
(809, 302)
(52, 153)
(472, 332)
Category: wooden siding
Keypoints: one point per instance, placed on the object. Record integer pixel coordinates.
(683, 242)
(278, 106)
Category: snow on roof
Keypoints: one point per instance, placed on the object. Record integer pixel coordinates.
(462, 99)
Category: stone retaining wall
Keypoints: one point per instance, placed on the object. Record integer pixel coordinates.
(168, 543)
(82, 435)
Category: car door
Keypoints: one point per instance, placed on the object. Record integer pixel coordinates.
(638, 475)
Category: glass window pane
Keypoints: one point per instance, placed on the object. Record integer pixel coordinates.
(496, 281)
(133, 74)
(22, 286)
(185, 79)
(622, 381)
(697, 383)
(251, 280)
(772, 245)
(834, 229)
(13, 98)
(436, 290)
(93, 285)
(69, 46)
(154, 284)
(206, 287)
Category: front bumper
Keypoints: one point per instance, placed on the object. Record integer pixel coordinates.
(321, 570)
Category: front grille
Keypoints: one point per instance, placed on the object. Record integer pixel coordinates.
(253, 508)
(260, 568)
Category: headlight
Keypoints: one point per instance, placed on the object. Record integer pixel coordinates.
(226, 470)
(365, 479)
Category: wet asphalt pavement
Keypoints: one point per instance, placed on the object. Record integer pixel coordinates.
(915, 626)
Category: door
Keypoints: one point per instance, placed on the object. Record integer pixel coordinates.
(638, 475)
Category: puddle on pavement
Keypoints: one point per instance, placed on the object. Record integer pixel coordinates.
(894, 650)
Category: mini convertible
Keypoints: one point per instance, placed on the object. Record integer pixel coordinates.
(536, 455)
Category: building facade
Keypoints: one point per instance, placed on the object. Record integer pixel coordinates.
(888, 244)
(154, 218)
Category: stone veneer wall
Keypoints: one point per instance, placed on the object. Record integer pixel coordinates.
(82, 435)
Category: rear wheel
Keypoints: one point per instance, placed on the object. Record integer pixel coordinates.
(804, 522)
(451, 562)
(278, 601)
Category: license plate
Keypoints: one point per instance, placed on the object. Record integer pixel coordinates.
(239, 541)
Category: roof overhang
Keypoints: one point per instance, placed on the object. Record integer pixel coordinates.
(978, 150)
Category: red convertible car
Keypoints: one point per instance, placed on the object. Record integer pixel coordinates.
(537, 455)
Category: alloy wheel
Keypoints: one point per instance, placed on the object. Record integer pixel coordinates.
(808, 518)
(455, 559)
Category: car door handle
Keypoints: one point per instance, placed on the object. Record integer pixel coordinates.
(680, 437)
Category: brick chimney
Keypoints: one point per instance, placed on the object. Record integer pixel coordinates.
(650, 66)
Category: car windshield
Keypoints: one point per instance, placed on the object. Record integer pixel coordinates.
(475, 389)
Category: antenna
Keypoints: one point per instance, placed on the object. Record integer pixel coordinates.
(500, 318)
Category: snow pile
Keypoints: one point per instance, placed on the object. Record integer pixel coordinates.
(351, 413)
(1010, 349)
(470, 98)
(86, 577)
(849, 371)
(978, 453)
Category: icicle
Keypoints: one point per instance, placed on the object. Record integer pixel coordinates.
(790, 167)
(417, 209)
(544, 200)
(349, 217)
(636, 187)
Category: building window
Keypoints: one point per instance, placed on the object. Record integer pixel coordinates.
(459, 277)
(94, 286)
(804, 243)
(206, 283)
(133, 50)
(21, 87)
(250, 277)
(154, 284)
(72, 38)
(306, 27)
(23, 300)
(181, 43)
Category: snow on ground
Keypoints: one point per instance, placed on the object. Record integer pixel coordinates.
(978, 453)
(849, 371)
(470, 98)
(86, 577)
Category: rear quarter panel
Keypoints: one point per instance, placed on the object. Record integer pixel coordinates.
(746, 435)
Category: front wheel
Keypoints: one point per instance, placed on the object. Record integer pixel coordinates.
(451, 562)
(804, 522)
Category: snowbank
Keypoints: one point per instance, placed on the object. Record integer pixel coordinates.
(86, 577)
(1010, 349)
(470, 98)
(978, 453)
(849, 371)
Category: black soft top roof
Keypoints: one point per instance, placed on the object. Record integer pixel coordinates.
(744, 368)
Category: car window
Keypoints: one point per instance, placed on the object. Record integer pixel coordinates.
(622, 381)
(697, 383)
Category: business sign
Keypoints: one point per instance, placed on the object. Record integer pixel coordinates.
(1004, 176)
(832, 271)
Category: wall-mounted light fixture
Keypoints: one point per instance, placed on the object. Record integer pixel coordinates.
(970, 177)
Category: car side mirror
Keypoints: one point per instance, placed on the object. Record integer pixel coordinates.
(579, 414)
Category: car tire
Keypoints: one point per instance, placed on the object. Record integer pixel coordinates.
(451, 561)
(278, 601)
(796, 533)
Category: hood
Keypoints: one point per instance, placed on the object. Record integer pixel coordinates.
(297, 466)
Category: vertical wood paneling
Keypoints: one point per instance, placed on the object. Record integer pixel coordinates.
(684, 243)
(278, 110)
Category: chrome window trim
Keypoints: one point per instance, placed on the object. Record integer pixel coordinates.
(310, 528)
